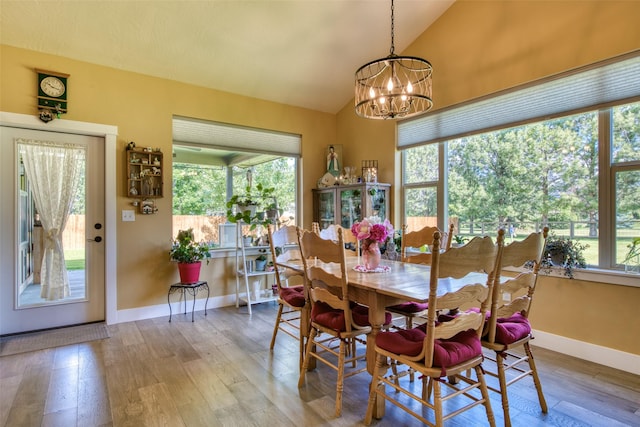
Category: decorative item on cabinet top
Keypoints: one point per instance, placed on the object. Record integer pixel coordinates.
(144, 176)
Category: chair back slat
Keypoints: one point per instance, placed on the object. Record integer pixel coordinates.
(331, 233)
(471, 292)
(516, 254)
(530, 249)
(464, 322)
(417, 239)
(477, 255)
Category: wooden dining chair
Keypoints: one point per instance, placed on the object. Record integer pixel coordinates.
(291, 300)
(445, 347)
(508, 326)
(416, 239)
(332, 314)
(350, 240)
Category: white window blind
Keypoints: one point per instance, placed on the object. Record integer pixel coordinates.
(598, 85)
(234, 137)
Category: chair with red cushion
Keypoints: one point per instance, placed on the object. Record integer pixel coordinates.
(335, 321)
(291, 300)
(446, 346)
(508, 324)
(416, 239)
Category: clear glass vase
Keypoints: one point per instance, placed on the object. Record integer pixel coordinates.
(633, 265)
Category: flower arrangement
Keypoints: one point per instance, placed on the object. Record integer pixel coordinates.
(372, 230)
(186, 250)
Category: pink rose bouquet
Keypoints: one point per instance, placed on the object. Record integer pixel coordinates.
(372, 229)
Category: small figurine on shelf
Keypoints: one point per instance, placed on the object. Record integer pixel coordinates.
(131, 145)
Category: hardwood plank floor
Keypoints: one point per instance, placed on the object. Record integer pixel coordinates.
(219, 371)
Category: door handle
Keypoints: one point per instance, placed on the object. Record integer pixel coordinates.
(98, 239)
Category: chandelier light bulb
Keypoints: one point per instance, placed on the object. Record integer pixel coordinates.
(372, 93)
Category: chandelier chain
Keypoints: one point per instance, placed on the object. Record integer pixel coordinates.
(392, 28)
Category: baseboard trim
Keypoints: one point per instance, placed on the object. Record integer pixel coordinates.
(613, 358)
(177, 307)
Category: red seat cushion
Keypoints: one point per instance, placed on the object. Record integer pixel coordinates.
(447, 352)
(360, 315)
(331, 318)
(294, 295)
(511, 329)
(403, 341)
(409, 307)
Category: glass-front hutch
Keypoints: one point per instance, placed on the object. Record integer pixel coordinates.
(346, 204)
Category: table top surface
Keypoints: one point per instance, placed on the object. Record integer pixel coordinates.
(403, 280)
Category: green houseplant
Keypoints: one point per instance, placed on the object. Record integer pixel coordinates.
(261, 262)
(189, 255)
(632, 259)
(251, 206)
(563, 252)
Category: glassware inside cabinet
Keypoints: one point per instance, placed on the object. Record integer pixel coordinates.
(327, 212)
(351, 206)
(378, 202)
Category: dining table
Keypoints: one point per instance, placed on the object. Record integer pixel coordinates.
(399, 282)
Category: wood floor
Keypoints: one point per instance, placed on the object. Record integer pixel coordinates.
(219, 371)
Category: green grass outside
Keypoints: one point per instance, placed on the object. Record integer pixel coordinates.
(74, 259)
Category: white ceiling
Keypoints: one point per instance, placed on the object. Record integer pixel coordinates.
(297, 52)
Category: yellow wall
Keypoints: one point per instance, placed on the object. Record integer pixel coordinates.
(142, 107)
(475, 47)
(480, 47)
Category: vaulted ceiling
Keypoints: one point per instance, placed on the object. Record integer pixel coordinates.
(296, 52)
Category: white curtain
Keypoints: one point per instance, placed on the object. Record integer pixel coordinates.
(53, 171)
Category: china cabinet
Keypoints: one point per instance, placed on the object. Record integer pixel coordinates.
(346, 204)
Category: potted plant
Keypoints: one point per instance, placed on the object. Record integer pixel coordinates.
(459, 240)
(564, 252)
(189, 255)
(261, 262)
(632, 259)
(247, 205)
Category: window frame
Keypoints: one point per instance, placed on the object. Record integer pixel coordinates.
(607, 171)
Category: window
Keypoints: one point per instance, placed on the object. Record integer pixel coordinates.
(577, 171)
(213, 161)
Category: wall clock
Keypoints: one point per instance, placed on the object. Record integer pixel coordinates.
(52, 91)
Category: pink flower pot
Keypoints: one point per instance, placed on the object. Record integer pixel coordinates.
(189, 272)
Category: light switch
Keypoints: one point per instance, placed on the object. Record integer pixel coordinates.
(128, 215)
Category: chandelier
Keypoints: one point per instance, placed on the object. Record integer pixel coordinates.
(393, 87)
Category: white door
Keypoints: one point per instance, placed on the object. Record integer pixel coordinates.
(21, 307)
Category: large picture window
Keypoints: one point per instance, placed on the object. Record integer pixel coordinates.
(213, 161)
(578, 172)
